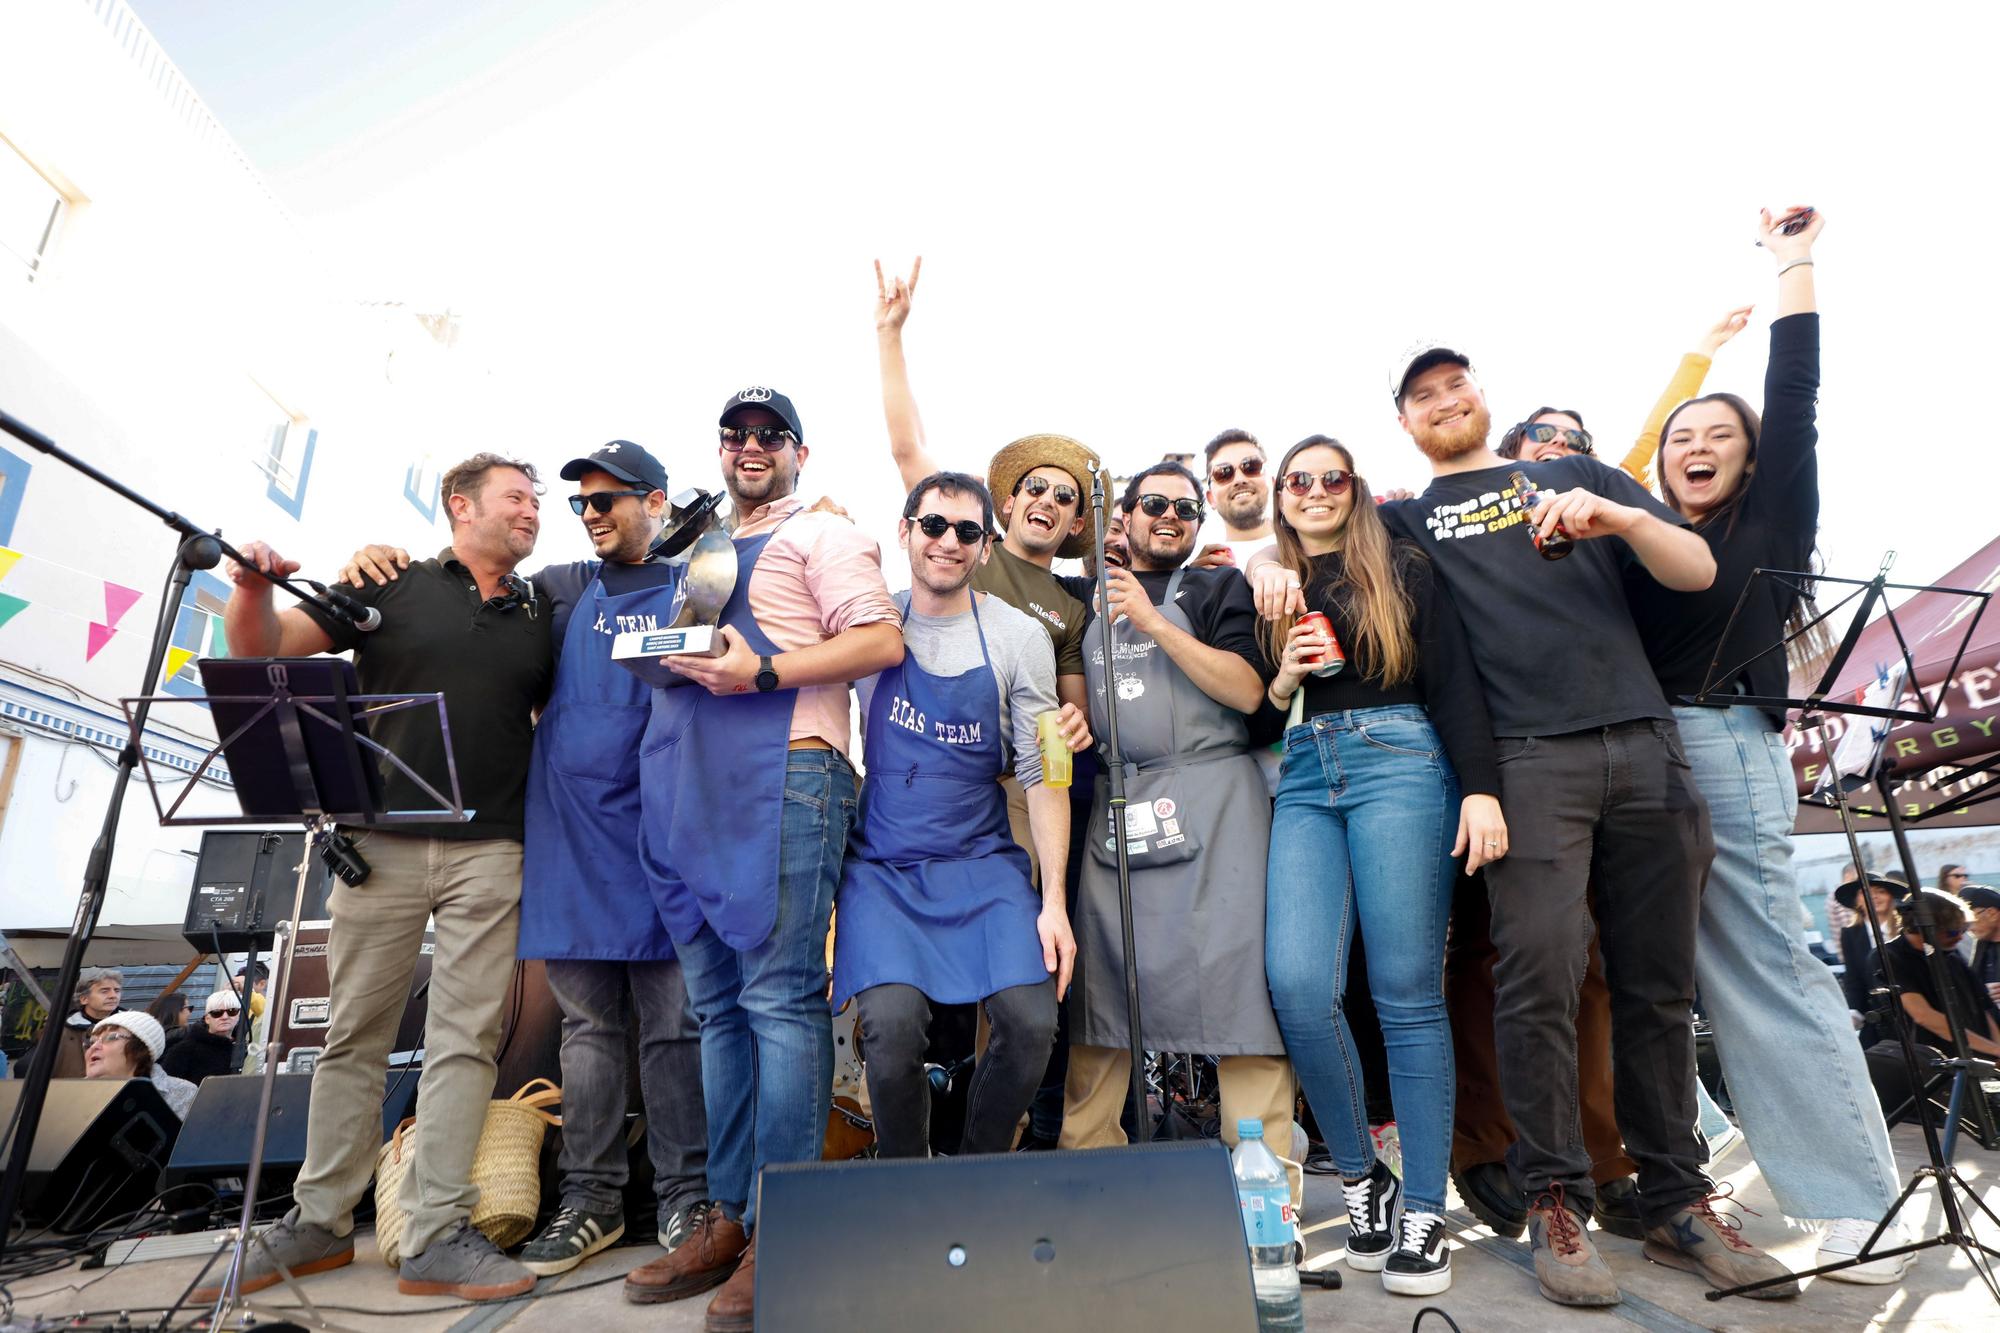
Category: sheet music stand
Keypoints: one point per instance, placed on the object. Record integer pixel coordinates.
(294, 733)
(1814, 708)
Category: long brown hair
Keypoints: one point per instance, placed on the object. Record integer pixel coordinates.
(1377, 602)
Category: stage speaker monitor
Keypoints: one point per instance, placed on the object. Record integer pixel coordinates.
(244, 882)
(1114, 1239)
(98, 1150)
(222, 1125)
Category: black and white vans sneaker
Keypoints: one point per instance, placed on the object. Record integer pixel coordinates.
(573, 1236)
(1371, 1218)
(1421, 1264)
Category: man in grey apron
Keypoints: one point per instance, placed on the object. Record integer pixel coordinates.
(1197, 828)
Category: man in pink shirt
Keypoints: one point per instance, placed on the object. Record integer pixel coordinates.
(747, 797)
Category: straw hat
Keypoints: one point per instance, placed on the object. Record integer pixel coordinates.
(1032, 451)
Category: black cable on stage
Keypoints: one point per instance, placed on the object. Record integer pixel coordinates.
(1439, 1312)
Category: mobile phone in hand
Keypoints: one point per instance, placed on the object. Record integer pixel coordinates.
(1797, 222)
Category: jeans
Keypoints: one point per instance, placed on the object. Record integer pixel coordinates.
(895, 1029)
(1796, 1075)
(597, 1016)
(1366, 815)
(1617, 804)
(766, 1031)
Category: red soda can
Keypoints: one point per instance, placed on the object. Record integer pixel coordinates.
(1333, 659)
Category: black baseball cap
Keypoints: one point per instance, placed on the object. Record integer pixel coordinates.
(1980, 895)
(759, 396)
(624, 460)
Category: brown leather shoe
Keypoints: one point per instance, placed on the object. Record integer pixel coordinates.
(732, 1310)
(704, 1260)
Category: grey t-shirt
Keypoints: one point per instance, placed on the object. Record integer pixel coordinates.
(1024, 669)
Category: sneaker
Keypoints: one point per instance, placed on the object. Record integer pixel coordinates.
(1697, 1239)
(1568, 1267)
(463, 1263)
(303, 1247)
(705, 1258)
(574, 1235)
(1388, 1141)
(1844, 1238)
(678, 1225)
(1421, 1264)
(1371, 1218)
(1616, 1208)
(1488, 1191)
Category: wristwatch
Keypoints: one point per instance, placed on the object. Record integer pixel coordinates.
(767, 676)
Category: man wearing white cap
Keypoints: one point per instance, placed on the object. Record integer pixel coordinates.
(210, 1046)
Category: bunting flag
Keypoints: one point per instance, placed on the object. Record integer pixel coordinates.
(7, 559)
(10, 607)
(118, 600)
(99, 635)
(176, 659)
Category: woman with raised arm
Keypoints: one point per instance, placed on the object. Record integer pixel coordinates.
(1751, 488)
(1368, 820)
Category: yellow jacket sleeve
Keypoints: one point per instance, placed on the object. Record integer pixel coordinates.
(1685, 384)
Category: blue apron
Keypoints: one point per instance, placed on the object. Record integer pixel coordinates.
(583, 895)
(712, 789)
(935, 892)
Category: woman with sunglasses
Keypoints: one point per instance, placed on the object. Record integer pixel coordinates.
(1369, 818)
(1750, 487)
(209, 1047)
(128, 1045)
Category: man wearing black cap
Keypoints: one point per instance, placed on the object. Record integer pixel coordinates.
(1984, 905)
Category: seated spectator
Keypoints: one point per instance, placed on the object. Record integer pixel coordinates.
(1857, 945)
(209, 1048)
(173, 1011)
(98, 990)
(1903, 958)
(126, 1045)
(1984, 903)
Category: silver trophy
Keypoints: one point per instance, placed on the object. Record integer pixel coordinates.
(704, 591)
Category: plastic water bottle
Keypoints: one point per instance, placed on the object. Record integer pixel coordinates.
(1270, 1228)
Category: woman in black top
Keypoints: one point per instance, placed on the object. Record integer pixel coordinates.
(1751, 489)
(1368, 819)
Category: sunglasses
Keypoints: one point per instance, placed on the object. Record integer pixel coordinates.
(1188, 511)
(1335, 481)
(1039, 486)
(970, 533)
(601, 501)
(772, 438)
(224, 1013)
(1224, 473)
(1541, 432)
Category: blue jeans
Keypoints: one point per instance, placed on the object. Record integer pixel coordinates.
(766, 1031)
(1366, 814)
(1796, 1075)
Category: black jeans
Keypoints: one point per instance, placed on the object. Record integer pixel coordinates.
(895, 1030)
(1618, 804)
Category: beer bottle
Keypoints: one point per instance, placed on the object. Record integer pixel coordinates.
(1551, 545)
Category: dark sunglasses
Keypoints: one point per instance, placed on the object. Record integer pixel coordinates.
(224, 1013)
(601, 501)
(1224, 473)
(1541, 432)
(970, 533)
(1188, 511)
(772, 438)
(1039, 486)
(1335, 480)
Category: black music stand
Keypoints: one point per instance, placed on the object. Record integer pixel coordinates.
(294, 733)
(1814, 708)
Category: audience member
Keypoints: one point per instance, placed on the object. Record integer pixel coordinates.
(128, 1044)
(210, 1048)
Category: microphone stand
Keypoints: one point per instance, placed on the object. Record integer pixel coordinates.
(198, 549)
(1114, 771)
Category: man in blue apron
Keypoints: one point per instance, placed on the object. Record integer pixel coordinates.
(747, 797)
(1197, 827)
(935, 904)
(584, 903)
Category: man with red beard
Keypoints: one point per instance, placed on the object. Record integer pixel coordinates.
(1592, 773)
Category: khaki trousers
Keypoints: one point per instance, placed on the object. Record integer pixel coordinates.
(471, 891)
(1254, 1087)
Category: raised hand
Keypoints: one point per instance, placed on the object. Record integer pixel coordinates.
(1783, 248)
(893, 297)
(1725, 328)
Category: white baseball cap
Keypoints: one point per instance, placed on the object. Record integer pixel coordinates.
(1420, 356)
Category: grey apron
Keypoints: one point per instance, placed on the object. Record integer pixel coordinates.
(1198, 829)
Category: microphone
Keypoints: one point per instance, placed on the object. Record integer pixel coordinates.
(367, 619)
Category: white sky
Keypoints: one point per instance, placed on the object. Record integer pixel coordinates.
(1142, 224)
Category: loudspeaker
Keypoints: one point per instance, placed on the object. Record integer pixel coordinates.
(98, 1149)
(244, 882)
(222, 1124)
(1114, 1239)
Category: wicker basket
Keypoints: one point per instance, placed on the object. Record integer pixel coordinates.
(506, 1170)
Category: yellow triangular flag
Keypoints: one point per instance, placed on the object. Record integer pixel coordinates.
(176, 659)
(7, 559)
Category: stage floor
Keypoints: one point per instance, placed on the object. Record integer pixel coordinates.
(1493, 1287)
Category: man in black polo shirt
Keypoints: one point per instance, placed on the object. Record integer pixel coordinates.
(465, 625)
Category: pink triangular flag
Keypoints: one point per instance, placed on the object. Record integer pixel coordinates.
(99, 636)
(118, 600)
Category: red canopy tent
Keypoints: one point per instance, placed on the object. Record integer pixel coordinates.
(1924, 757)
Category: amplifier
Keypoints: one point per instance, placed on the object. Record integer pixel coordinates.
(244, 881)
